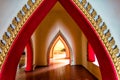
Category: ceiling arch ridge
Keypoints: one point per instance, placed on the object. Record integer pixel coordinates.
(101, 28)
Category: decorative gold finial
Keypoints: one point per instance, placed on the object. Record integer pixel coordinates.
(84, 2)
(99, 20)
(89, 7)
(94, 13)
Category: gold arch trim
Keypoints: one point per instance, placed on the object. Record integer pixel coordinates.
(16, 25)
(99, 26)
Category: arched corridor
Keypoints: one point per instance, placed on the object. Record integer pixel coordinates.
(59, 51)
(59, 30)
(73, 24)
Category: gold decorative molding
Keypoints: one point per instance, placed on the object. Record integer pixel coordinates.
(90, 13)
(101, 28)
(14, 28)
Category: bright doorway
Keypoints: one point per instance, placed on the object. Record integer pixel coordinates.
(59, 53)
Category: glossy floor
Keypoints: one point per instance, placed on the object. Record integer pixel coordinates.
(58, 70)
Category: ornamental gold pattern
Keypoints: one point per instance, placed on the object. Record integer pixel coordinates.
(84, 6)
(14, 28)
(102, 31)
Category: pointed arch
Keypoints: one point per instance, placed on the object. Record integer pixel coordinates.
(87, 28)
(14, 53)
(59, 36)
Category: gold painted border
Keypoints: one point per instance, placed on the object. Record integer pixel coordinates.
(102, 31)
(14, 28)
(24, 14)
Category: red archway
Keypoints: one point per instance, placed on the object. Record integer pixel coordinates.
(8, 70)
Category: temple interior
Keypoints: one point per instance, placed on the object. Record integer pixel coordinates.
(57, 41)
(58, 38)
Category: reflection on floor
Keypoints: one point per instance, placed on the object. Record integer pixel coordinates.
(59, 69)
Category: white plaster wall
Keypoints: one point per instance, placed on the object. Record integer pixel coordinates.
(8, 10)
